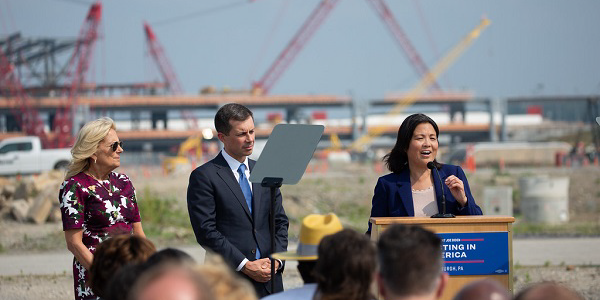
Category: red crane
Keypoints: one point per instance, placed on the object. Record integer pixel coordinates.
(26, 116)
(401, 38)
(78, 68)
(158, 53)
(167, 72)
(264, 85)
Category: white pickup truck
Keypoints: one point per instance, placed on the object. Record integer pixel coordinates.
(24, 155)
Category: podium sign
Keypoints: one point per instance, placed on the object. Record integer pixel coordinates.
(475, 247)
(482, 253)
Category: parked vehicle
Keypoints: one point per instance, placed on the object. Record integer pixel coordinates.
(24, 155)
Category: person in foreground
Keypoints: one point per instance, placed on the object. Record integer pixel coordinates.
(414, 190)
(314, 228)
(168, 281)
(410, 264)
(548, 290)
(230, 215)
(483, 289)
(95, 202)
(345, 267)
(224, 283)
(114, 254)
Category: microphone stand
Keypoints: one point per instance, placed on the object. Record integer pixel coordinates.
(443, 214)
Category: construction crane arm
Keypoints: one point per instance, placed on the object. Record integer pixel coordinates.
(285, 58)
(163, 64)
(423, 85)
(401, 38)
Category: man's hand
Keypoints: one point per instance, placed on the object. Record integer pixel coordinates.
(259, 270)
(268, 265)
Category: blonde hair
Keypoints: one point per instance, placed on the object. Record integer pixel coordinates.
(86, 144)
(224, 283)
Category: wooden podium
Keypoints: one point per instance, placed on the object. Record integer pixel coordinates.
(460, 224)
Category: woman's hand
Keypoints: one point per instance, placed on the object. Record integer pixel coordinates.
(138, 230)
(457, 188)
(75, 244)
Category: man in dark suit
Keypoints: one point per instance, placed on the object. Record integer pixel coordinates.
(230, 215)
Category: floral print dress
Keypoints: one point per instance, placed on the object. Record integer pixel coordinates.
(101, 209)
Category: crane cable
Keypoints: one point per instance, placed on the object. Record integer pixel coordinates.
(200, 13)
(425, 82)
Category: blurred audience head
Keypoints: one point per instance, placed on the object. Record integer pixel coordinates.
(548, 291)
(170, 255)
(410, 263)
(170, 281)
(314, 228)
(120, 284)
(484, 289)
(223, 282)
(113, 254)
(345, 267)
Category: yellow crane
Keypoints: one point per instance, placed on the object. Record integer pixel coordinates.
(361, 143)
(192, 146)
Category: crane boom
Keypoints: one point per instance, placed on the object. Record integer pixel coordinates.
(78, 68)
(401, 38)
(163, 64)
(25, 114)
(285, 58)
(423, 84)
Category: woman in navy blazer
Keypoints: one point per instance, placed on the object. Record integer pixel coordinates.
(417, 145)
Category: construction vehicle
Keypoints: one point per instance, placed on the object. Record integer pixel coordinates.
(188, 155)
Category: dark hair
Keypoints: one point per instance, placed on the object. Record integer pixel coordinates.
(169, 255)
(345, 266)
(231, 111)
(548, 290)
(483, 289)
(306, 269)
(397, 159)
(114, 253)
(410, 260)
(120, 284)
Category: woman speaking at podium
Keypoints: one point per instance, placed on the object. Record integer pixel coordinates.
(413, 189)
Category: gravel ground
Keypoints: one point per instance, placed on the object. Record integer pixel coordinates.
(315, 195)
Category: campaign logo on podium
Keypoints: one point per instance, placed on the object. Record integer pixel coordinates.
(480, 253)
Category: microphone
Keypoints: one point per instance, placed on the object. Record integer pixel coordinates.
(442, 214)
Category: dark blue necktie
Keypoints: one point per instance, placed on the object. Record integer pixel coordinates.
(247, 194)
(245, 186)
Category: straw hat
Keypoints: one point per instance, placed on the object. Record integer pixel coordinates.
(314, 228)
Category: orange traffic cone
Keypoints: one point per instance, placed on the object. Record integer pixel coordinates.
(470, 158)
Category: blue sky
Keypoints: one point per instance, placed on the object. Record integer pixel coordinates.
(531, 48)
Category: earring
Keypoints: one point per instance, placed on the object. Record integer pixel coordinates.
(95, 159)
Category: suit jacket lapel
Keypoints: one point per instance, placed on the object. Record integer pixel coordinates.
(438, 188)
(256, 190)
(224, 171)
(405, 191)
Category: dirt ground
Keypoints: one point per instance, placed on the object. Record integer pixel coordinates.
(346, 190)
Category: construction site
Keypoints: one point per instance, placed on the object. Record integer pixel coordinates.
(48, 91)
(501, 133)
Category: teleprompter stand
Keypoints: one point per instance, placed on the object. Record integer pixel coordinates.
(283, 161)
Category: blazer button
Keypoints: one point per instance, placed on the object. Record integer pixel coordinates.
(253, 251)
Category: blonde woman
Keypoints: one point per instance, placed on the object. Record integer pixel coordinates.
(95, 202)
